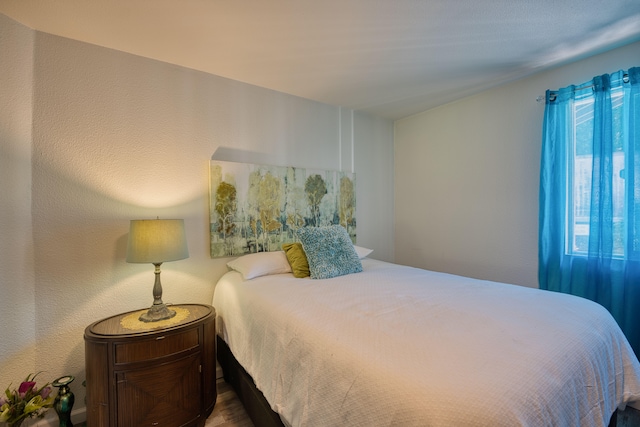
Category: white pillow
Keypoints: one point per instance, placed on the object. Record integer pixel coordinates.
(260, 264)
(362, 252)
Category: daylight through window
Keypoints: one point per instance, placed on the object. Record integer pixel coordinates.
(581, 167)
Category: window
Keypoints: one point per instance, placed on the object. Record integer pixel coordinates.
(589, 236)
(580, 167)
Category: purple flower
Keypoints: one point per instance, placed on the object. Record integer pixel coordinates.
(25, 387)
(44, 393)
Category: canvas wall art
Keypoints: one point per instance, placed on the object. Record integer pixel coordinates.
(257, 208)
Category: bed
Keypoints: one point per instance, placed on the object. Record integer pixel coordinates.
(395, 345)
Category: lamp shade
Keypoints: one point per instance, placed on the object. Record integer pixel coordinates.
(156, 241)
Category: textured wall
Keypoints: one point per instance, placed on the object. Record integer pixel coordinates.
(17, 286)
(118, 137)
(467, 174)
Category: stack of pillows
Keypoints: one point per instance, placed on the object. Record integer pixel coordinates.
(321, 253)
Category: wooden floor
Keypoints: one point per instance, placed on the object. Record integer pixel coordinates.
(229, 412)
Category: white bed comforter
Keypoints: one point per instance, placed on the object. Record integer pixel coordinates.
(396, 345)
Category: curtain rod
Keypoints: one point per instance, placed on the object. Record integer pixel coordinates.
(541, 98)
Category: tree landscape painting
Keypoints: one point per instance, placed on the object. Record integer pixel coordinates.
(257, 208)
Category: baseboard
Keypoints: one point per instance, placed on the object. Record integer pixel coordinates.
(51, 418)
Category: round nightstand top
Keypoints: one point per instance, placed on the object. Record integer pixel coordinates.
(127, 323)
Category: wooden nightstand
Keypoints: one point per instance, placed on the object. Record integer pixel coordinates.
(151, 374)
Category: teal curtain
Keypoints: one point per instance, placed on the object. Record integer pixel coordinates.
(589, 229)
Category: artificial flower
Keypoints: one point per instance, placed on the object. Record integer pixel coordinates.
(28, 401)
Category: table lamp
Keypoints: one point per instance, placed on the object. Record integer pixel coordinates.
(156, 241)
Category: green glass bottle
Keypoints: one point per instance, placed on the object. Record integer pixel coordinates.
(64, 400)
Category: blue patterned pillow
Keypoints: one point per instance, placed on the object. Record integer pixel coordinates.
(329, 251)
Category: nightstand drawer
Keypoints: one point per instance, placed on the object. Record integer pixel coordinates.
(158, 346)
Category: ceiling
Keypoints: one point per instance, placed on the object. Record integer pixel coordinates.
(392, 58)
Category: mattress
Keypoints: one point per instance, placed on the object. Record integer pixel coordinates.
(395, 345)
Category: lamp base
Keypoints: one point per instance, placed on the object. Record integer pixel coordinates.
(157, 312)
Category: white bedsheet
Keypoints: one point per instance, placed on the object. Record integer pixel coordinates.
(401, 346)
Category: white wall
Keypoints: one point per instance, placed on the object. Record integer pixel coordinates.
(373, 158)
(467, 175)
(17, 302)
(117, 137)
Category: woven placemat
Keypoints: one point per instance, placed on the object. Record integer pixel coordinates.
(131, 321)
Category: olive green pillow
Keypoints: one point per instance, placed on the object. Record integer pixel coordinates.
(297, 259)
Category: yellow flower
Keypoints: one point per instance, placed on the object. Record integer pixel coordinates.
(4, 415)
(33, 405)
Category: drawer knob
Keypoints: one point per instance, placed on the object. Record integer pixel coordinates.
(159, 338)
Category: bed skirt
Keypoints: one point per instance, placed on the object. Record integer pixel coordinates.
(252, 399)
